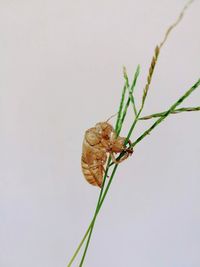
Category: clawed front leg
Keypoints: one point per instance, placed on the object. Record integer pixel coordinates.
(128, 151)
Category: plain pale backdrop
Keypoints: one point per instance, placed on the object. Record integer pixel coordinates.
(60, 73)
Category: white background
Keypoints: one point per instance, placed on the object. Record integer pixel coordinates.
(60, 73)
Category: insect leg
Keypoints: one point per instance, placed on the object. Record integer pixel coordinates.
(125, 156)
(129, 149)
(127, 152)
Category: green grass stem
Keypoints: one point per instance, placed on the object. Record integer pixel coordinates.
(167, 113)
(131, 90)
(120, 119)
(103, 194)
(118, 127)
(176, 111)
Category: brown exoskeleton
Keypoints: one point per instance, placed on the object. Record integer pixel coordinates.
(99, 142)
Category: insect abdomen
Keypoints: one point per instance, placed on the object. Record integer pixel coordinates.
(92, 174)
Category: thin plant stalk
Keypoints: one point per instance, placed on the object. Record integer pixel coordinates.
(157, 122)
(103, 195)
(181, 15)
(131, 91)
(145, 92)
(167, 113)
(120, 107)
(117, 129)
(79, 246)
(90, 228)
(155, 59)
(151, 71)
(164, 116)
(95, 215)
(176, 111)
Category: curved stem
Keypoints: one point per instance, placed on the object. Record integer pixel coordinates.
(93, 220)
(79, 246)
(95, 214)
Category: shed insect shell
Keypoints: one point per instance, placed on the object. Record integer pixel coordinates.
(99, 142)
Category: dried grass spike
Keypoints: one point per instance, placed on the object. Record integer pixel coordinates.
(150, 74)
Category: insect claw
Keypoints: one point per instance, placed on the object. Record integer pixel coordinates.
(130, 151)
